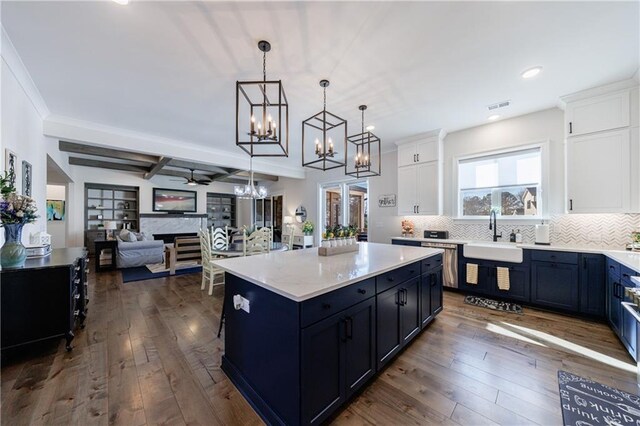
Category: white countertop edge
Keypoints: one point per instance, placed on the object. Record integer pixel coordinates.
(636, 280)
(617, 255)
(432, 252)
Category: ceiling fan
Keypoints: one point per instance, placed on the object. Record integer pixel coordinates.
(193, 181)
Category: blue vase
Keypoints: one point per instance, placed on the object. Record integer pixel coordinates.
(13, 253)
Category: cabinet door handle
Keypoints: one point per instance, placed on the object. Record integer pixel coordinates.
(344, 329)
(414, 158)
(406, 295)
(418, 207)
(362, 291)
(570, 127)
(326, 306)
(612, 267)
(626, 275)
(349, 328)
(390, 279)
(570, 204)
(418, 157)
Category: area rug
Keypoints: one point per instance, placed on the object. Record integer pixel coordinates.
(141, 273)
(483, 302)
(585, 402)
(157, 268)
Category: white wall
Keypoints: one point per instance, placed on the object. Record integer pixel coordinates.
(534, 127)
(383, 222)
(22, 133)
(58, 228)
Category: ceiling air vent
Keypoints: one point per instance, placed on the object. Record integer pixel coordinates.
(498, 105)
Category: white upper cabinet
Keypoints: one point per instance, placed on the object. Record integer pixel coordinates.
(604, 112)
(420, 175)
(421, 151)
(599, 173)
(602, 149)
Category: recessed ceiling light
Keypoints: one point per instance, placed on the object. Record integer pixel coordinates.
(370, 127)
(122, 2)
(493, 117)
(531, 72)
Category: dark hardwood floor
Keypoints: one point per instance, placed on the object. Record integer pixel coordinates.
(149, 355)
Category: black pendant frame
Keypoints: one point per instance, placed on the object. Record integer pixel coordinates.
(365, 143)
(267, 145)
(324, 121)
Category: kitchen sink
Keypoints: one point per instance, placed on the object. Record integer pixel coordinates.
(488, 250)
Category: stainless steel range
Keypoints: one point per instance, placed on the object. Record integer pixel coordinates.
(450, 262)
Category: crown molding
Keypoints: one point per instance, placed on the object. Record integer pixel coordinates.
(74, 130)
(599, 90)
(11, 57)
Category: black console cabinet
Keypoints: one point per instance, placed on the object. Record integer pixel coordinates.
(45, 299)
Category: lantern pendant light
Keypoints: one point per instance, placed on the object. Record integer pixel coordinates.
(364, 149)
(262, 114)
(322, 134)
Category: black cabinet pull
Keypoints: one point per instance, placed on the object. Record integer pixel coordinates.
(390, 279)
(326, 306)
(349, 328)
(553, 256)
(404, 292)
(343, 322)
(570, 127)
(612, 267)
(362, 291)
(413, 271)
(626, 275)
(571, 204)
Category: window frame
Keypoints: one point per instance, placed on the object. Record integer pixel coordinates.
(543, 214)
(345, 207)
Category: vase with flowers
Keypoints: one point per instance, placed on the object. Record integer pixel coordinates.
(15, 211)
(307, 227)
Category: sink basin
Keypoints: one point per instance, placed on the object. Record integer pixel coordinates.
(488, 250)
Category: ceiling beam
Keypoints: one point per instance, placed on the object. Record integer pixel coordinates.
(78, 148)
(157, 167)
(75, 161)
(186, 175)
(257, 176)
(198, 166)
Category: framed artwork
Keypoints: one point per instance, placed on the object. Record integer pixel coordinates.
(26, 178)
(388, 200)
(55, 210)
(11, 163)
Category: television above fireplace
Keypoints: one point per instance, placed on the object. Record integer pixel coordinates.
(174, 200)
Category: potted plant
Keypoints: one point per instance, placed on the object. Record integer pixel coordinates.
(15, 211)
(307, 227)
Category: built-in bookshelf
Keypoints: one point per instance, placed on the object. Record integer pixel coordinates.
(119, 204)
(221, 210)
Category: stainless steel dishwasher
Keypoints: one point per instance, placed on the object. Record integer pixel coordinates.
(449, 262)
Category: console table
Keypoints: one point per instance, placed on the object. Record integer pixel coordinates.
(47, 298)
(105, 245)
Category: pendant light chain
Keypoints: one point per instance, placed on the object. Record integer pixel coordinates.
(362, 121)
(325, 99)
(264, 66)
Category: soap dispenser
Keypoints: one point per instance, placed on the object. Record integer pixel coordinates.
(512, 236)
(518, 237)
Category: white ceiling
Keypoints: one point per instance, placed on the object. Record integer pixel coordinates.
(169, 68)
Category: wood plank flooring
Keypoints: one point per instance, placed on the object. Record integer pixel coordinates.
(149, 355)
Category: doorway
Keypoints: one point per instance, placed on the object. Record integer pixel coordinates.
(58, 205)
(345, 204)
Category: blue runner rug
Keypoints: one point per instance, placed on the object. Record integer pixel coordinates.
(141, 273)
(585, 402)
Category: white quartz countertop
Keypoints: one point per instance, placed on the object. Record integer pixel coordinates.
(302, 274)
(625, 257)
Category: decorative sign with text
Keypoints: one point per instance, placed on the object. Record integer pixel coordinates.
(388, 200)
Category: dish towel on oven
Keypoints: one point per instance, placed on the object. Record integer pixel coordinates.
(472, 273)
(503, 278)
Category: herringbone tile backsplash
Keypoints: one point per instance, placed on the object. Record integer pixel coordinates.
(591, 230)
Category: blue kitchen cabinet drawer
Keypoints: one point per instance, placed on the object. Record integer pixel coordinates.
(554, 256)
(323, 306)
(405, 242)
(431, 263)
(613, 268)
(392, 278)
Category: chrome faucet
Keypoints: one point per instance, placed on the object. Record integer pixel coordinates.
(494, 225)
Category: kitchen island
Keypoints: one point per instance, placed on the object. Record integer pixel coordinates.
(311, 331)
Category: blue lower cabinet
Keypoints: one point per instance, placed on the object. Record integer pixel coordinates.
(410, 323)
(436, 283)
(555, 285)
(426, 314)
(338, 357)
(389, 340)
(519, 284)
(592, 285)
(612, 300)
(483, 285)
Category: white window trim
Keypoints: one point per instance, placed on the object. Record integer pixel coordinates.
(545, 183)
(343, 184)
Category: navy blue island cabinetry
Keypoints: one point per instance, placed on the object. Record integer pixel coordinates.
(303, 349)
